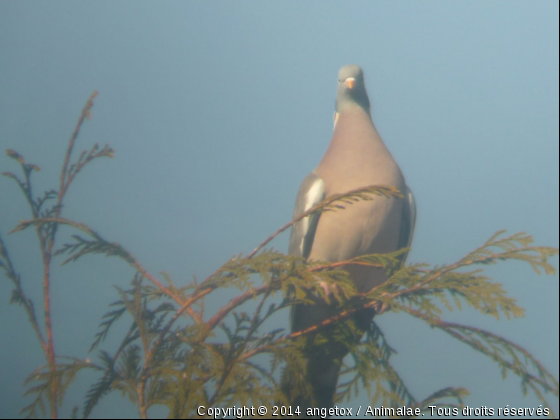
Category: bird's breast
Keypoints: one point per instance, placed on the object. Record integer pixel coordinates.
(357, 157)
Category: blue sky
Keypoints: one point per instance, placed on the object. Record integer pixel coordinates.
(218, 110)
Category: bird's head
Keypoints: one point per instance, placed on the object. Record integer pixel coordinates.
(351, 91)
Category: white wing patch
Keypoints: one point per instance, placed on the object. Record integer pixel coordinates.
(412, 207)
(314, 195)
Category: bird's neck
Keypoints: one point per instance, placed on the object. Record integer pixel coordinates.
(353, 117)
(352, 106)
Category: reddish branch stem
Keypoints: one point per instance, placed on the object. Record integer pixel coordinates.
(47, 244)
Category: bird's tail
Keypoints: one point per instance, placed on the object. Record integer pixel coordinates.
(315, 387)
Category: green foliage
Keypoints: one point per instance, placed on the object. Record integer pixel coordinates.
(177, 354)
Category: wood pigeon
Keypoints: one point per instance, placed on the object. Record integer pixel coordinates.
(356, 157)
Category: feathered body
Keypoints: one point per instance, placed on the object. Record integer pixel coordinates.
(356, 157)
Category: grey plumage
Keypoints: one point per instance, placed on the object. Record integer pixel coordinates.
(356, 157)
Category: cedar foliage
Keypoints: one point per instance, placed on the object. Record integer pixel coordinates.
(170, 356)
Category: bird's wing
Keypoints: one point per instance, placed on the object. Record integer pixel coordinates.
(311, 192)
(408, 222)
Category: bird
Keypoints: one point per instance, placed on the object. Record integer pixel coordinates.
(356, 157)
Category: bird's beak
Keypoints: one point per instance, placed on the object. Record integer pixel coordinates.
(350, 82)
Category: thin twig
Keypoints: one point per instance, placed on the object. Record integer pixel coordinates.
(326, 205)
(63, 176)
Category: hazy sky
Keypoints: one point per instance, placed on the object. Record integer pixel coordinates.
(218, 110)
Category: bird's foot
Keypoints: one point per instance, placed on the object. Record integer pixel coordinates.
(330, 290)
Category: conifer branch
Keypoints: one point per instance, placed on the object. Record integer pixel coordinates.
(500, 349)
(18, 295)
(46, 232)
